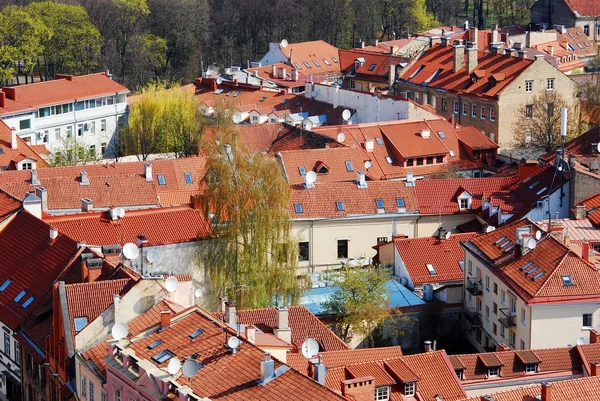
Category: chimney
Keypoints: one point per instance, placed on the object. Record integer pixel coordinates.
(295, 74)
(551, 50)
(473, 31)
(148, 171)
(230, 313)
(251, 334)
(580, 212)
(392, 74)
(197, 202)
(94, 269)
(522, 54)
(539, 57)
(585, 250)
(459, 55)
(53, 233)
(13, 139)
(546, 391)
(320, 372)
(281, 73)
(87, 205)
(557, 230)
(2, 99)
(361, 181)
(592, 256)
(527, 168)
(283, 331)
(428, 346)
(594, 368)
(33, 205)
(291, 59)
(222, 304)
(502, 348)
(567, 240)
(471, 60)
(126, 356)
(495, 33)
(369, 145)
(41, 193)
(117, 306)
(359, 389)
(267, 368)
(444, 41)
(34, 178)
(184, 393)
(273, 71)
(165, 319)
(594, 336)
(83, 178)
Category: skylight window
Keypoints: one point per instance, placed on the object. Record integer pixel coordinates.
(326, 61)
(334, 60)
(196, 334)
(461, 263)
(379, 204)
(298, 208)
(237, 94)
(155, 344)
(389, 160)
(349, 167)
(188, 178)
(298, 103)
(505, 243)
(80, 323)
(262, 99)
(571, 47)
(431, 269)
(20, 295)
(541, 191)
(307, 65)
(229, 93)
(509, 249)
(534, 185)
(161, 179)
(5, 285)
(567, 280)
(540, 274)
(298, 66)
(218, 91)
(163, 356)
(316, 63)
(580, 45)
(499, 240)
(302, 170)
(379, 141)
(525, 266)
(536, 268)
(28, 302)
(452, 154)
(372, 67)
(340, 206)
(284, 101)
(441, 135)
(400, 202)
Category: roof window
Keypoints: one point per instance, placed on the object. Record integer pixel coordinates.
(218, 91)
(540, 274)
(461, 263)
(154, 344)
(229, 93)
(80, 323)
(379, 141)
(302, 170)
(389, 159)
(340, 206)
(400, 202)
(499, 240)
(502, 245)
(326, 61)
(188, 178)
(535, 268)
(534, 184)
(307, 65)
(262, 99)
(571, 47)
(298, 208)
(349, 167)
(334, 60)
(379, 203)
(525, 266)
(28, 302)
(298, 66)
(452, 154)
(163, 356)
(20, 296)
(284, 101)
(567, 280)
(372, 67)
(431, 269)
(5, 285)
(196, 334)
(541, 191)
(441, 135)
(414, 74)
(161, 179)
(509, 249)
(237, 94)
(298, 103)
(316, 63)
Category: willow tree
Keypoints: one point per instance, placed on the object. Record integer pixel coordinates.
(181, 122)
(252, 258)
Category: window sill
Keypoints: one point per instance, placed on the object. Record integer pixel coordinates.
(586, 328)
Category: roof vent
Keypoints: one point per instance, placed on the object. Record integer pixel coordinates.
(111, 249)
(425, 133)
(53, 233)
(360, 179)
(87, 205)
(369, 145)
(83, 178)
(94, 262)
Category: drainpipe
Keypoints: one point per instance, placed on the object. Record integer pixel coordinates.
(416, 230)
(311, 247)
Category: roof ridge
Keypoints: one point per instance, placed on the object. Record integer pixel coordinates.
(105, 282)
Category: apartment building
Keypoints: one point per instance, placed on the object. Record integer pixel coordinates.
(87, 109)
(491, 91)
(521, 284)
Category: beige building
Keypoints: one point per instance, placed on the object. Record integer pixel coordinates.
(525, 289)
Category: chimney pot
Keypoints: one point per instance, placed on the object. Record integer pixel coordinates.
(427, 346)
(283, 318)
(585, 250)
(165, 319)
(34, 178)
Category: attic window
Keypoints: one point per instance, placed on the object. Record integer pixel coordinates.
(461, 263)
(161, 179)
(414, 74)
(316, 63)
(493, 372)
(431, 269)
(340, 206)
(196, 334)
(379, 204)
(298, 103)
(20, 296)
(237, 94)
(188, 178)
(441, 135)
(5, 285)
(567, 280)
(298, 208)
(372, 67)
(505, 243)
(534, 185)
(452, 154)
(326, 61)
(298, 66)
(349, 167)
(499, 240)
(379, 141)
(229, 93)
(531, 368)
(536, 268)
(322, 170)
(302, 170)
(155, 344)
(525, 266)
(571, 47)
(540, 274)
(163, 356)
(28, 302)
(334, 60)
(510, 248)
(262, 99)
(541, 190)
(389, 159)
(80, 323)
(400, 202)
(307, 65)
(578, 33)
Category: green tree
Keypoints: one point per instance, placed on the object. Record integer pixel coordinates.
(129, 15)
(150, 53)
(422, 18)
(252, 257)
(181, 122)
(72, 153)
(361, 304)
(511, 12)
(73, 45)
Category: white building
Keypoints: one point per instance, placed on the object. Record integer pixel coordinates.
(88, 109)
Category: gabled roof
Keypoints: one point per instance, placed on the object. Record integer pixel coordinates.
(437, 62)
(8, 205)
(60, 90)
(265, 72)
(443, 254)
(583, 147)
(584, 8)
(317, 50)
(9, 156)
(592, 209)
(375, 66)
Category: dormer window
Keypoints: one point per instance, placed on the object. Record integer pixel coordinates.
(382, 393)
(321, 168)
(493, 372)
(459, 374)
(464, 201)
(410, 388)
(531, 368)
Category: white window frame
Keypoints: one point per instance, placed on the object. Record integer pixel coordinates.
(382, 393)
(531, 368)
(410, 388)
(83, 386)
(493, 372)
(591, 321)
(492, 114)
(529, 86)
(465, 110)
(482, 115)
(474, 110)
(523, 316)
(456, 107)
(103, 125)
(550, 84)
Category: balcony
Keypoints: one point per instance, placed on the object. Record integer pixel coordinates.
(474, 287)
(473, 316)
(509, 319)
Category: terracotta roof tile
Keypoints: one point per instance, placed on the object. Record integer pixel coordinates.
(402, 372)
(265, 72)
(436, 376)
(374, 66)
(9, 156)
(490, 360)
(8, 205)
(310, 52)
(586, 8)
(382, 378)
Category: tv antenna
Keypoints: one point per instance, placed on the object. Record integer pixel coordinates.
(119, 331)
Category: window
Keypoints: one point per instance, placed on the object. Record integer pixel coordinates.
(298, 103)
(5, 285)
(83, 386)
(161, 179)
(79, 129)
(163, 356)
(528, 86)
(456, 109)
(503, 297)
(117, 395)
(379, 141)
(473, 110)
(298, 208)
(154, 344)
(381, 240)
(523, 315)
(464, 203)
(416, 97)
(7, 344)
(419, 161)
(512, 338)
(529, 111)
(91, 390)
(495, 308)
(439, 159)
(17, 353)
(382, 393)
(492, 114)
(379, 203)
(372, 67)
(334, 60)
(407, 94)
(25, 124)
(409, 388)
(529, 368)
(69, 131)
(550, 84)
(431, 269)
(567, 280)
(459, 374)
(92, 127)
(445, 105)
(410, 162)
(487, 312)
(479, 304)
(20, 295)
(80, 323)
(188, 178)
(470, 267)
(303, 251)
(349, 167)
(102, 396)
(307, 65)
(483, 112)
(464, 109)
(326, 61)
(487, 283)
(340, 206)
(496, 288)
(430, 160)
(400, 202)
(494, 329)
(493, 372)
(196, 333)
(103, 125)
(586, 30)
(342, 249)
(587, 320)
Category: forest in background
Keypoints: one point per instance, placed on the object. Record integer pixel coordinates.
(174, 40)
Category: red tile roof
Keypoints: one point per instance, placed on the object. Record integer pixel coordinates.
(9, 156)
(317, 50)
(63, 89)
(297, 139)
(444, 255)
(592, 207)
(161, 226)
(382, 378)
(441, 58)
(265, 72)
(584, 8)
(8, 205)
(376, 66)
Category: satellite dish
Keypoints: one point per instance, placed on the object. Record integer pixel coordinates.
(198, 293)
(284, 43)
(233, 343)
(308, 125)
(237, 117)
(489, 229)
(311, 177)
(119, 331)
(531, 243)
(538, 235)
(131, 251)
(310, 348)
(190, 368)
(598, 147)
(173, 366)
(346, 114)
(313, 94)
(341, 137)
(580, 341)
(219, 81)
(152, 255)
(448, 235)
(171, 284)
(340, 82)
(212, 71)
(368, 164)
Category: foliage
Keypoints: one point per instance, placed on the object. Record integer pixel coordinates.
(128, 16)
(511, 12)
(360, 305)
(252, 257)
(541, 132)
(72, 153)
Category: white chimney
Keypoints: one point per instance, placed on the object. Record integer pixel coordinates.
(148, 171)
(53, 233)
(87, 205)
(273, 71)
(230, 313)
(251, 334)
(42, 193)
(361, 181)
(13, 138)
(369, 145)
(33, 204)
(267, 368)
(283, 331)
(425, 133)
(34, 178)
(83, 178)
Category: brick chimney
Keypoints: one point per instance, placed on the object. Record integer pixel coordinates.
(580, 212)
(594, 336)
(547, 391)
(594, 371)
(230, 313)
(473, 32)
(283, 331)
(557, 230)
(585, 250)
(165, 319)
(471, 59)
(459, 55)
(359, 389)
(94, 271)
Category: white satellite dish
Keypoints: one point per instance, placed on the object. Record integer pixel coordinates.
(284, 43)
(219, 81)
(531, 243)
(346, 114)
(152, 255)
(190, 368)
(237, 117)
(311, 177)
(198, 293)
(489, 229)
(580, 341)
(173, 366)
(448, 235)
(119, 331)
(341, 137)
(538, 235)
(131, 251)
(171, 284)
(310, 348)
(368, 164)
(308, 125)
(233, 343)
(313, 94)
(598, 147)
(340, 82)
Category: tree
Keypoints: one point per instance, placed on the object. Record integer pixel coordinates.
(511, 12)
(360, 304)
(72, 153)
(252, 257)
(537, 127)
(129, 14)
